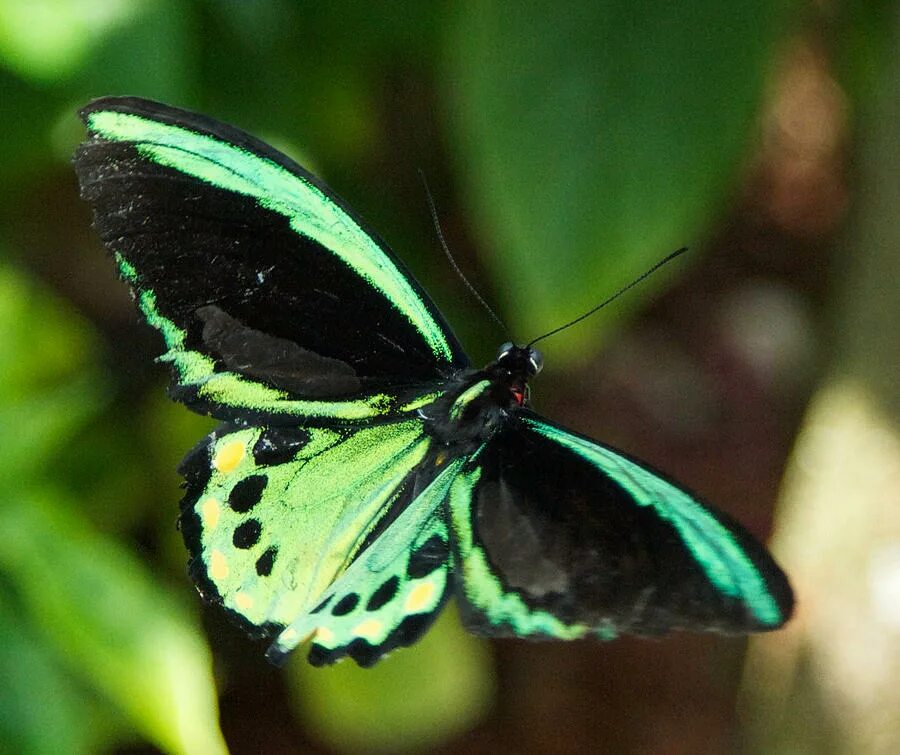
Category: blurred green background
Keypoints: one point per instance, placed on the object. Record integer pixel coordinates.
(568, 149)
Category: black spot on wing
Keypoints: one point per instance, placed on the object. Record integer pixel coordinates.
(247, 493)
(430, 556)
(277, 445)
(384, 594)
(318, 656)
(345, 605)
(322, 605)
(247, 534)
(266, 561)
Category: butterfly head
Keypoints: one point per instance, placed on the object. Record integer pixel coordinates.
(525, 361)
(514, 367)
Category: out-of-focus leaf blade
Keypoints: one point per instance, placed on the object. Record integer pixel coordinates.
(151, 56)
(49, 39)
(416, 698)
(862, 38)
(92, 605)
(587, 147)
(39, 425)
(110, 623)
(47, 388)
(42, 708)
(42, 342)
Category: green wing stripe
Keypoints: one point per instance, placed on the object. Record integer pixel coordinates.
(711, 544)
(467, 397)
(385, 559)
(230, 389)
(310, 212)
(482, 587)
(421, 401)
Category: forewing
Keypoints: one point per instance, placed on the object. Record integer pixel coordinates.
(557, 535)
(272, 516)
(272, 297)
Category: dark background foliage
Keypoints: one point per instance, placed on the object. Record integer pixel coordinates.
(568, 150)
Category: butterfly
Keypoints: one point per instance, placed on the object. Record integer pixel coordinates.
(364, 471)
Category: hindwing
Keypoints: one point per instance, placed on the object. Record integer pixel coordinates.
(272, 516)
(559, 536)
(335, 536)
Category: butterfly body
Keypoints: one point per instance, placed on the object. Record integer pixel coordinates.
(365, 472)
(477, 402)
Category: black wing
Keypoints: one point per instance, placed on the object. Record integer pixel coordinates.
(252, 269)
(560, 536)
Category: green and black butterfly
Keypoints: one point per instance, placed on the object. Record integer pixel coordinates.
(365, 471)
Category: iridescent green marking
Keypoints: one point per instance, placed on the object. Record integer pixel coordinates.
(387, 557)
(483, 588)
(421, 401)
(231, 389)
(310, 212)
(467, 397)
(713, 546)
(126, 269)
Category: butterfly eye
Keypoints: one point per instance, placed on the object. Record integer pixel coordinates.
(536, 359)
(504, 350)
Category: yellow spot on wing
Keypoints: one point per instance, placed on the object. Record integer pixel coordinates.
(211, 510)
(290, 636)
(243, 601)
(420, 597)
(229, 456)
(323, 636)
(369, 628)
(218, 566)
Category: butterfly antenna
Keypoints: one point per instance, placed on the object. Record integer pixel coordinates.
(440, 235)
(616, 295)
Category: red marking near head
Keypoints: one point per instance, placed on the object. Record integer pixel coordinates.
(518, 393)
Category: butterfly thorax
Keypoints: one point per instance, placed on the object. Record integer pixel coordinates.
(475, 404)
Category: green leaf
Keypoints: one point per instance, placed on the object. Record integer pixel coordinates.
(152, 56)
(594, 138)
(862, 38)
(46, 389)
(113, 627)
(49, 39)
(42, 341)
(415, 699)
(42, 708)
